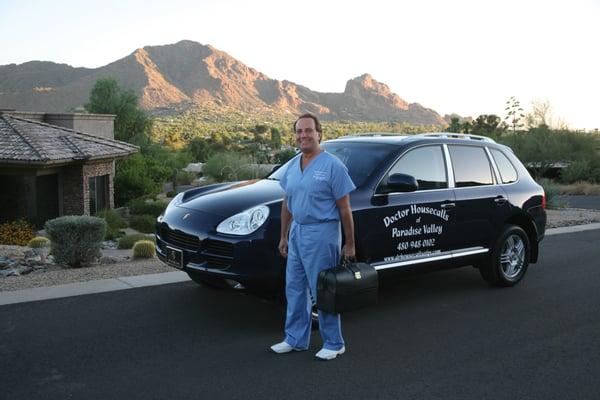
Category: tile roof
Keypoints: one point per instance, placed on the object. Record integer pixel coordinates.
(32, 142)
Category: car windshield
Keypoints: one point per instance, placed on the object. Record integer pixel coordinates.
(361, 159)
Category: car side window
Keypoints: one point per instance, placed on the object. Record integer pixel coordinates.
(426, 164)
(471, 166)
(508, 173)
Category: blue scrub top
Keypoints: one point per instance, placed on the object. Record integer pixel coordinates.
(311, 194)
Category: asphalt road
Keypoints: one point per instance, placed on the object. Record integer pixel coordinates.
(588, 202)
(443, 335)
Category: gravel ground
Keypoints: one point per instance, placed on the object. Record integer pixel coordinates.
(57, 276)
(62, 276)
(571, 216)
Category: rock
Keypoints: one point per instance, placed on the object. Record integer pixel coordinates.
(108, 260)
(8, 272)
(24, 269)
(29, 253)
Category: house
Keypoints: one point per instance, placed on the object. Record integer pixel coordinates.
(57, 164)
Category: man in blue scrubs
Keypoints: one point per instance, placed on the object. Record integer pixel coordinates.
(317, 187)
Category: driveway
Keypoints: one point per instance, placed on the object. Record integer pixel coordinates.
(443, 335)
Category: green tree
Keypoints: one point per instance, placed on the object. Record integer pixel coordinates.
(275, 138)
(487, 125)
(454, 126)
(131, 123)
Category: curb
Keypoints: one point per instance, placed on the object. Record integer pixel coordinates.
(138, 281)
(572, 229)
(91, 287)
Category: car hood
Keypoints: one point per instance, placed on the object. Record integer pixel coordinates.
(227, 200)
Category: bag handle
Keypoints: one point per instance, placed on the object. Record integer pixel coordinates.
(350, 267)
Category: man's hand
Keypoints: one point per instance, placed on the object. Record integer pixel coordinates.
(349, 252)
(283, 247)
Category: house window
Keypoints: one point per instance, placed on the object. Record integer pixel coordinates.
(98, 186)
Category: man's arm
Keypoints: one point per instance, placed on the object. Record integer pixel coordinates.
(349, 249)
(286, 219)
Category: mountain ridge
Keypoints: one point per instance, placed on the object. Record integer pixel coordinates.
(177, 77)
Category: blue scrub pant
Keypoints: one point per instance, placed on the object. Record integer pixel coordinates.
(311, 249)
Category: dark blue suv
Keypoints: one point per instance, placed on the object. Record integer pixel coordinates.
(421, 201)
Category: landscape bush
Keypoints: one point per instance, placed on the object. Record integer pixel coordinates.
(76, 240)
(18, 232)
(146, 207)
(127, 241)
(114, 223)
(143, 223)
(144, 249)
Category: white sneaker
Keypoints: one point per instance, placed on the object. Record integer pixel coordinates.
(283, 347)
(326, 354)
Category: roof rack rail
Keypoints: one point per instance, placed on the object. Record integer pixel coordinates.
(459, 136)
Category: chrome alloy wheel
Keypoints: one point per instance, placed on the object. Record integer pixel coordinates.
(512, 257)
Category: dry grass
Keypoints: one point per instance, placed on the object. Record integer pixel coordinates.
(580, 188)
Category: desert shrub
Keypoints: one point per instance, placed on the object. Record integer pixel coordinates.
(581, 188)
(552, 190)
(576, 171)
(143, 223)
(229, 166)
(144, 249)
(144, 207)
(18, 232)
(114, 222)
(171, 194)
(38, 242)
(185, 177)
(127, 242)
(76, 240)
(282, 156)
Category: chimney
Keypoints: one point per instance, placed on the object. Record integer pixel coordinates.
(102, 125)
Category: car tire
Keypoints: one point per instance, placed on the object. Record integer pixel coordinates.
(508, 262)
(208, 281)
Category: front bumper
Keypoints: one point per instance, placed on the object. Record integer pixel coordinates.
(252, 260)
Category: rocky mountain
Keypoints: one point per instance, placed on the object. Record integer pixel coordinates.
(177, 77)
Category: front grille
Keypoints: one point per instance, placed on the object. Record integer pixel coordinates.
(217, 247)
(217, 254)
(179, 239)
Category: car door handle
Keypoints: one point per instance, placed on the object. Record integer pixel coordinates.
(500, 200)
(448, 204)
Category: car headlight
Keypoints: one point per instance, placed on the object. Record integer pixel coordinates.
(245, 222)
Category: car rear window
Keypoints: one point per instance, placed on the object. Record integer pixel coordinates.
(361, 159)
(508, 173)
(471, 166)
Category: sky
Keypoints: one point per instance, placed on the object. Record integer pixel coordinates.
(459, 56)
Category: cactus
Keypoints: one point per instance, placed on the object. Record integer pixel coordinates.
(144, 249)
(38, 242)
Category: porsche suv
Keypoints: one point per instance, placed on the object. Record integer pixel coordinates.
(421, 201)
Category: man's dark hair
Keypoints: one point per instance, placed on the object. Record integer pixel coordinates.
(314, 118)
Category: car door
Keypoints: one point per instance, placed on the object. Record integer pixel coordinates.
(481, 204)
(409, 225)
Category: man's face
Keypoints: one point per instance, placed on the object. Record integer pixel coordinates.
(307, 137)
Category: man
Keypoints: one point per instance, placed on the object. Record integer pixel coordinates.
(317, 187)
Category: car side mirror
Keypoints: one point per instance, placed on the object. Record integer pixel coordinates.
(402, 183)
